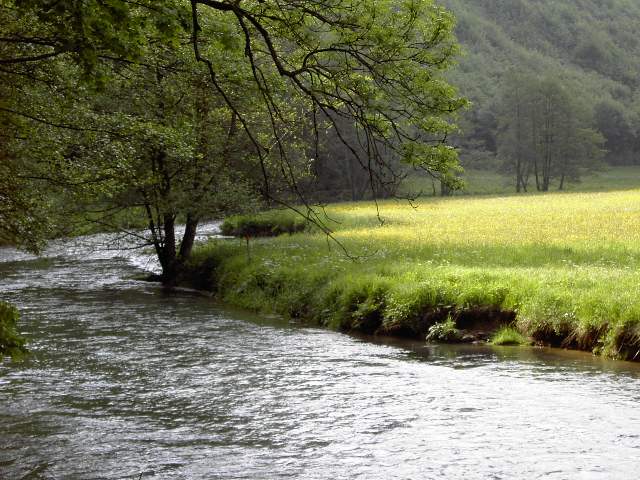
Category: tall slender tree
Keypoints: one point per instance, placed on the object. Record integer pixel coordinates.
(545, 134)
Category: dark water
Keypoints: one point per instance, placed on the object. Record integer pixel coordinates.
(126, 381)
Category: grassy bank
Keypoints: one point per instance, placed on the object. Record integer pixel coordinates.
(562, 268)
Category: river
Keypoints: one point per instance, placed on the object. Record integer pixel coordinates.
(128, 381)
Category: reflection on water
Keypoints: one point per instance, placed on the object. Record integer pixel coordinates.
(126, 380)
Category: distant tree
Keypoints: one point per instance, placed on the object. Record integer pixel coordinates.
(551, 112)
(582, 151)
(544, 133)
(611, 121)
(516, 142)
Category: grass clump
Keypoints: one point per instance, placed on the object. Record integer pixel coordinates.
(509, 336)
(269, 224)
(356, 304)
(11, 342)
(444, 332)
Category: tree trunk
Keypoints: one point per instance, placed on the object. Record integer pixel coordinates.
(518, 145)
(188, 239)
(351, 178)
(546, 174)
(167, 254)
(445, 191)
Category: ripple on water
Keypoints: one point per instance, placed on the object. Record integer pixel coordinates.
(125, 380)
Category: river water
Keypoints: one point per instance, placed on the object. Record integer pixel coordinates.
(128, 381)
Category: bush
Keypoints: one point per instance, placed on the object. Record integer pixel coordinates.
(269, 224)
(11, 342)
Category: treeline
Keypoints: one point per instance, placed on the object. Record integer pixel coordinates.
(587, 48)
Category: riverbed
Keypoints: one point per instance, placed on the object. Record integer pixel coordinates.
(126, 380)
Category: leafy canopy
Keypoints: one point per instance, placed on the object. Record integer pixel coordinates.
(159, 106)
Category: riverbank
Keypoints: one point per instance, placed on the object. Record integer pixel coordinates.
(562, 268)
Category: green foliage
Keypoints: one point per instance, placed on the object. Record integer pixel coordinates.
(204, 109)
(11, 342)
(88, 30)
(444, 332)
(508, 336)
(270, 224)
(611, 118)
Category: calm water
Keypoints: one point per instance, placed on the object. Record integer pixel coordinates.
(126, 381)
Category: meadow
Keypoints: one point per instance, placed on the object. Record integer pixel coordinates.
(487, 182)
(561, 268)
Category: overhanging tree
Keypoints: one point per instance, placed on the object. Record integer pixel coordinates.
(374, 66)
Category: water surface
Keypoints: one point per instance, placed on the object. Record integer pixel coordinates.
(128, 381)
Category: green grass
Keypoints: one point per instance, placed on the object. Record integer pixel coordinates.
(444, 332)
(509, 336)
(484, 182)
(568, 265)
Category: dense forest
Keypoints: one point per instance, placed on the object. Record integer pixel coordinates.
(588, 48)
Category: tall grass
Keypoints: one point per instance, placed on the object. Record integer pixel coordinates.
(567, 264)
(508, 336)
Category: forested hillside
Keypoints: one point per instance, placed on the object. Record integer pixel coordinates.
(588, 47)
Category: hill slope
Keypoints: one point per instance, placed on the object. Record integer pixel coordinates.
(591, 45)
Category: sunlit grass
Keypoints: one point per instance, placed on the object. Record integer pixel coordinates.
(566, 263)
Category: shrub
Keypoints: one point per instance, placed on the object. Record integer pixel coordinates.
(269, 224)
(11, 342)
